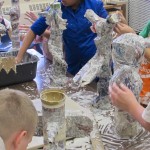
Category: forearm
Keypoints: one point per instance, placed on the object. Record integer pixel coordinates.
(136, 112)
(30, 36)
(46, 34)
(147, 54)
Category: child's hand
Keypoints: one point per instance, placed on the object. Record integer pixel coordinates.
(93, 28)
(30, 16)
(121, 28)
(122, 97)
(24, 27)
(123, 20)
(18, 59)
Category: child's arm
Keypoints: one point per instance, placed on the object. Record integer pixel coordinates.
(121, 28)
(37, 28)
(30, 36)
(30, 16)
(147, 54)
(123, 98)
(46, 34)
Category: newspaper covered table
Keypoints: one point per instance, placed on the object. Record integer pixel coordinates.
(104, 117)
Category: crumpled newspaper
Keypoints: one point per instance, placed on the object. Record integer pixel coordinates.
(86, 75)
(128, 51)
(54, 16)
(58, 24)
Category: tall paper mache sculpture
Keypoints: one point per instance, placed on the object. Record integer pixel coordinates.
(2, 27)
(57, 24)
(128, 51)
(99, 65)
(14, 14)
(6, 63)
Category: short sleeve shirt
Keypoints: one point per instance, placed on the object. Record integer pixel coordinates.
(146, 31)
(145, 70)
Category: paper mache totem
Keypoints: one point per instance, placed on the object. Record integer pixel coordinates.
(57, 24)
(14, 18)
(14, 14)
(2, 27)
(128, 51)
(99, 65)
(6, 63)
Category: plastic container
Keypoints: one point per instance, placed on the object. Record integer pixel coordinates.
(25, 71)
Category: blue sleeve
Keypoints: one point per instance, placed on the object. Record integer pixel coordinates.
(39, 26)
(101, 11)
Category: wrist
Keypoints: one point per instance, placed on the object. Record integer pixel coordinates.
(20, 55)
(136, 110)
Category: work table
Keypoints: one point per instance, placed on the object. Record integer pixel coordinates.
(103, 113)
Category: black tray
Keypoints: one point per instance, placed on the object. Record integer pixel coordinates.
(26, 70)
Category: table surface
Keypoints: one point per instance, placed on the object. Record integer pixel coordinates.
(103, 113)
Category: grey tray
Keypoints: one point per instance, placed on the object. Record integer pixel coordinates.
(26, 70)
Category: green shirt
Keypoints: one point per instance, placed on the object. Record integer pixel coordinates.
(146, 31)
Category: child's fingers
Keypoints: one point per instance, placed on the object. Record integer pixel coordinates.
(93, 29)
(116, 89)
(120, 25)
(112, 95)
(117, 29)
(28, 18)
(123, 87)
(27, 15)
(119, 12)
(24, 26)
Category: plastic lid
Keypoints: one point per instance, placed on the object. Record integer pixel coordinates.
(52, 97)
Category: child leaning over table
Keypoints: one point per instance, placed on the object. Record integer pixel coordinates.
(18, 120)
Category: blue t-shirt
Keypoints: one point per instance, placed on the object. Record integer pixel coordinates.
(78, 39)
